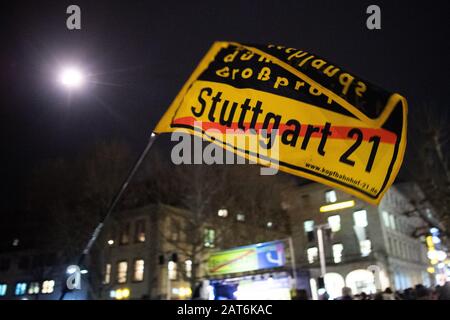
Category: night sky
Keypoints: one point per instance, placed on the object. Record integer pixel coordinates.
(140, 53)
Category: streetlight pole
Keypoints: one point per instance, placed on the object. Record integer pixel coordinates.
(293, 263)
(320, 243)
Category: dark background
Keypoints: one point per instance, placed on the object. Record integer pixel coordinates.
(140, 53)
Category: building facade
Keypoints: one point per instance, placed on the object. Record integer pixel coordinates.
(154, 251)
(367, 248)
(160, 252)
(151, 252)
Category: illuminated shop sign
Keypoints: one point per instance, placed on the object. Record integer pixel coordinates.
(248, 258)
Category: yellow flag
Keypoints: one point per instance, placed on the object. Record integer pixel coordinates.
(306, 114)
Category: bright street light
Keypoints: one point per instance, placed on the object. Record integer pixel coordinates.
(71, 77)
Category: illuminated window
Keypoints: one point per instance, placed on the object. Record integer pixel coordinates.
(48, 286)
(122, 269)
(3, 287)
(360, 218)
(34, 288)
(335, 223)
(209, 238)
(240, 217)
(125, 234)
(138, 272)
(337, 252)
(309, 229)
(188, 267)
(312, 254)
(366, 247)
(386, 218)
(308, 225)
(330, 196)
(392, 221)
(140, 231)
(21, 288)
(107, 277)
(222, 213)
(172, 268)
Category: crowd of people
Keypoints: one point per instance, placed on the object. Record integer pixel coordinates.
(418, 292)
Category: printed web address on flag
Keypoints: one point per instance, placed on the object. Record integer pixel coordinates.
(341, 177)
